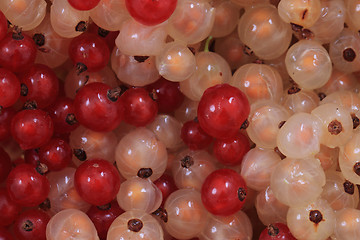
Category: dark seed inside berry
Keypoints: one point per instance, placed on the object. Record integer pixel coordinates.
(135, 225)
(315, 216)
(80, 154)
(187, 162)
(141, 58)
(161, 213)
(241, 194)
(349, 54)
(144, 172)
(273, 231)
(28, 226)
(349, 187)
(335, 127)
(356, 168)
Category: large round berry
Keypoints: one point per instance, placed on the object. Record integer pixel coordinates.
(97, 181)
(222, 110)
(223, 192)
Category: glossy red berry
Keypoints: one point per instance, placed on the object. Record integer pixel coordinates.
(97, 181)
(168, 95)
(139, 108)
(40, 84)
(276, 231)
(17, 52)
(62, 112)
(230, 151)
(83, 5)
(9, 88)
(222, 110)
(6, 115)
(5, 234)
(8, 208)
(151, 12)
(26, 186)
(108, 36)
(223, 192)
(3, 26)
(31, 225)
(89, 52)
(194, 137)
(31, 128)
(166, 185)
(56, 154)
(5, 164)
(98, 108)
(103, 216)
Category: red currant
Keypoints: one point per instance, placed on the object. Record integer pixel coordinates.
(26, 186)
(103, 216)
(56, 154)
(32, 157)
(40, 84)
(9, 88)
(166, 185)
(223, 192)
(89, 52)
(5, 164)
(62, 112)
(8, 209)
(6, 114)
(275, 231)
(222, 110)
(168, 95)
(108, 36)
(151, 12)
(17, 52)
(31, 225)
(194, 137)
(97, 107)
(84, 5)
(139, 108)
(97, 181)
(31, 128)
(230, 151)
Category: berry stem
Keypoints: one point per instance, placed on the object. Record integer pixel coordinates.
(207, 43)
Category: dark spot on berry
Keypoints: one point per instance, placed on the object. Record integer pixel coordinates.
(114, 94)
(187, 162)
(81, 26)
(80, 154)
(273, 231)
(70, 119)
(141, 59)
(220, 73)
(42, 168)
(315, 216)
(17, 33)
(162, 214)
(356, 168)
(349, 187)
(241, 194)
(335, 127)
(349, 54)
(28, 226)
(135, 225)
(144, 172)
(30, 105)
(80, 68)
(39, 39)
(153, 95)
